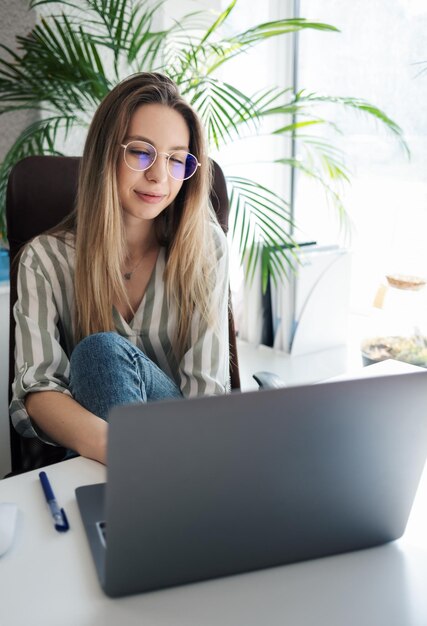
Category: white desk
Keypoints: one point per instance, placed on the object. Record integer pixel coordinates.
(294, 370)
(48, 578)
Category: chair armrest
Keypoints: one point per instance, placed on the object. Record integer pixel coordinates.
(268, 380)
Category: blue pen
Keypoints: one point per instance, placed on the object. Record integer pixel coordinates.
(59, 517)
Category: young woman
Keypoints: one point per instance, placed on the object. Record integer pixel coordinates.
(127, 300)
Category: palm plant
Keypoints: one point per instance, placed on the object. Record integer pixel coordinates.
(79, 51)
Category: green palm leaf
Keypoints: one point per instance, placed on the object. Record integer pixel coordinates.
(233, 46)
(312, 170)
(357, 104)
(60, 68)
(218, 22)
(116, 24)
(260, 219)
(222, 107)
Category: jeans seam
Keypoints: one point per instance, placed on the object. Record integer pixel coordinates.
(137, 367)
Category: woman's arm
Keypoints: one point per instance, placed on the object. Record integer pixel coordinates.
(43, 332)
(68, 423)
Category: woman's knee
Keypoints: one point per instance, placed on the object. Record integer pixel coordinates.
(99, 348)
(102, 373)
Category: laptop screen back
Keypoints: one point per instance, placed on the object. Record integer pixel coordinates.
(215, 486)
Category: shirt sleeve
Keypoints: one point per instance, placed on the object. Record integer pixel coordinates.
(205, 367)
(40, 362)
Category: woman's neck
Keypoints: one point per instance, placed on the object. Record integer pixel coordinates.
(140, 241)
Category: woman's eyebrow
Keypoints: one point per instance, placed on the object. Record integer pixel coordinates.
(141, 138)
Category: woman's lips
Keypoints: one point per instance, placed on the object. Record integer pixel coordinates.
(150, 198)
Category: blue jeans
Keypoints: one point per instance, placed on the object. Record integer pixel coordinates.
(106, 370)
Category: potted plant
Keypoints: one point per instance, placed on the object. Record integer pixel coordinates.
(61, 70)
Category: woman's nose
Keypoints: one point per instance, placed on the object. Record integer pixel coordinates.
(158, 172)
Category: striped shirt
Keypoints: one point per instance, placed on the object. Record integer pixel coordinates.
(44, 315)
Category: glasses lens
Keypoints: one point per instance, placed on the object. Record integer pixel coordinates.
(182, 165)
(140, 155)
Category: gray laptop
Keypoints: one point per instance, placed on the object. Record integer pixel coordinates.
(215, 486)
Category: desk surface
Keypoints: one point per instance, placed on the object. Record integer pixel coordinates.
(48, 578)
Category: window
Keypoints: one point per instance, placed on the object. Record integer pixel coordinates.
(376, 57)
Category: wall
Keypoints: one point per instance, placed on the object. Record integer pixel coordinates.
(15, 19)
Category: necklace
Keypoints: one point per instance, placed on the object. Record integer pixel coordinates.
(128, 275)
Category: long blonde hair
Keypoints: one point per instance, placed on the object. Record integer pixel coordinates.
(183, 228)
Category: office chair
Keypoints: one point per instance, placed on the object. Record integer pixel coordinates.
(41, 192)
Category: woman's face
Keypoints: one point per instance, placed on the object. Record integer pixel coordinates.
(144, 195)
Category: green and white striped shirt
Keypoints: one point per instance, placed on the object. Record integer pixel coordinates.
(44, 314)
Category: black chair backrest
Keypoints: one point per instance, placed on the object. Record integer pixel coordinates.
(41, 192)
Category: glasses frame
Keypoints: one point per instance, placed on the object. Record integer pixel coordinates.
(156, 154)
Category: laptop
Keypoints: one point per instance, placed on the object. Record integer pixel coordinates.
(214, 486)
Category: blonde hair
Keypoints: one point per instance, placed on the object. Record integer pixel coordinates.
(183, 228)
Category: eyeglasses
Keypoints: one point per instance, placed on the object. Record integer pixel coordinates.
(140, 156)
